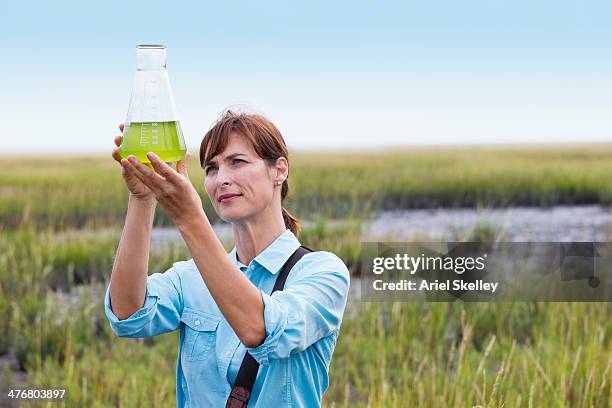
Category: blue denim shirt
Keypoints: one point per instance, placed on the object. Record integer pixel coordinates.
(302, 324)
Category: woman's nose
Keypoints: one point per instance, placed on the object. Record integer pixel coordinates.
(223, 177)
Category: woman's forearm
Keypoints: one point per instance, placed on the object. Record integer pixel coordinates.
(130, 269)
(238, 299)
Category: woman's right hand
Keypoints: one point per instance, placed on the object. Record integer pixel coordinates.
(137, 188)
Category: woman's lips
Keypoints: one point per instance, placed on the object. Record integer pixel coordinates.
(230, 198)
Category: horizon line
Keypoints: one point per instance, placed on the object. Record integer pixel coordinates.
(338, 149)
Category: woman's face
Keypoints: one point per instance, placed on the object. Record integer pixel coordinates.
(239, 183)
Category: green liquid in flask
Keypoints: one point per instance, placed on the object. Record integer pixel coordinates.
(165, 139)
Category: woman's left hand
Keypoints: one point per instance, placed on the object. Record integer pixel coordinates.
(172, 188)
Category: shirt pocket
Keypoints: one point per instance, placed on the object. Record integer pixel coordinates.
(200, 334)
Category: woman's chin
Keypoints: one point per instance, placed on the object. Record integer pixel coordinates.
(230, 216)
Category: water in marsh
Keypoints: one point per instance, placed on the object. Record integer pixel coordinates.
(560, 223)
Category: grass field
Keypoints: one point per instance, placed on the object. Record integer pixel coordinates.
(87, 191)
(55, 262)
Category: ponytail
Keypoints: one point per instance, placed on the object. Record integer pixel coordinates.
(291, 222)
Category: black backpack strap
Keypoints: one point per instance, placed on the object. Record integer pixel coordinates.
(284, 272)
(245, 379)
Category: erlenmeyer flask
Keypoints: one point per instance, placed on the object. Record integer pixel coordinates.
(152, 124)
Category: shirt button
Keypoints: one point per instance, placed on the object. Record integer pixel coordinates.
(227, 354)
(197, 322)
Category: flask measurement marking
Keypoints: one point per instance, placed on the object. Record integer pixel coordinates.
(149, 136)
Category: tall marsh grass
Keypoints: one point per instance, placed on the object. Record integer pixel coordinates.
(88, 191)
(60, 222)
(388, 354)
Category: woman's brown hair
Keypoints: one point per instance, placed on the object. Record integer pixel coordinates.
(265, 138)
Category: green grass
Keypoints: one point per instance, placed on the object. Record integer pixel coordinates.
(88, 191)
(494, 354)
(388, 354)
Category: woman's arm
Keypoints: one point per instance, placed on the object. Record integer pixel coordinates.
(129, 275)
(141, 305)
(238, 299)
(307, 310)
(162, 309)
(270, 327)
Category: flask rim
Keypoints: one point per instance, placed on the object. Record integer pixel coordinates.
(151, 46)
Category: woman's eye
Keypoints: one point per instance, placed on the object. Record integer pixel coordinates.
(209, 169)
(239, 161)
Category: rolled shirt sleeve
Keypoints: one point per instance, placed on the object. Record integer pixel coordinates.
(160, 313)
(307, 310)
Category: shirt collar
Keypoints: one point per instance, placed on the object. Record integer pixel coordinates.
(274, 256)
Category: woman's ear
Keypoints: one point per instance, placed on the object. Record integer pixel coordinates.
(282, 169)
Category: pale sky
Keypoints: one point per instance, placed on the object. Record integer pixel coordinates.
(329, 74)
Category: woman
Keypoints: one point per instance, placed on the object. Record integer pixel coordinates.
(222, 304)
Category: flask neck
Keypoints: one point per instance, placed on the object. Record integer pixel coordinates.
(150, 57)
